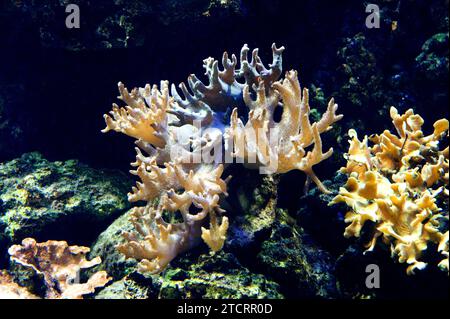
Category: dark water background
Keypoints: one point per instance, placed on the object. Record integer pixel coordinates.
(61, 94)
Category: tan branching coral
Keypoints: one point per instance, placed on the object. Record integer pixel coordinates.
(60, 266)
(156, 242)
(215, 237)
(144, 117)
(400, 184)
(185, 141)
(284, 150)
(179, 188)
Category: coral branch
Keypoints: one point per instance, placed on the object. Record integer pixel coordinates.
(144, 117)
(253, 142)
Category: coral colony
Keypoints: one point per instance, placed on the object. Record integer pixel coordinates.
(175, 133)
(60, 266)
(184, 143)
(401, 185)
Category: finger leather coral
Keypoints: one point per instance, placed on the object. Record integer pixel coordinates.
(400, 184)
(184, 142)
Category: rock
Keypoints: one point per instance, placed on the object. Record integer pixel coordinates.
(116, 24)
(291, 258)
(28, 278)
(322, 222)
(113, 262)
(267, 240)
(192, 275)
(58, 200)
(215, 276)
(255, 213)
(433, 61)
(211, 276)
(432, 76)
(133, 286)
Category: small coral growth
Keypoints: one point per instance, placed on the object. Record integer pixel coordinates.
(60, 266)
(400, 184)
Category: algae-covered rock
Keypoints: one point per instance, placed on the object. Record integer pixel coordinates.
(269, 241)
(354, 267)
(26, 277)
(215, 276)
(432, 76)
(115, 24)
(113, 262)
(133, 286)
(57, 200)
(256, 212)
(433, 61)
(291, 258)
(208, 277)
(321, 221)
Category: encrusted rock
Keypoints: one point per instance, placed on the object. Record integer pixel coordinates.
(216, 276)
(133, 286)
(57, 200)
(113, 261)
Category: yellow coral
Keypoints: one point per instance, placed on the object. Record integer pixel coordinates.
(215, 236)
(399, 184)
